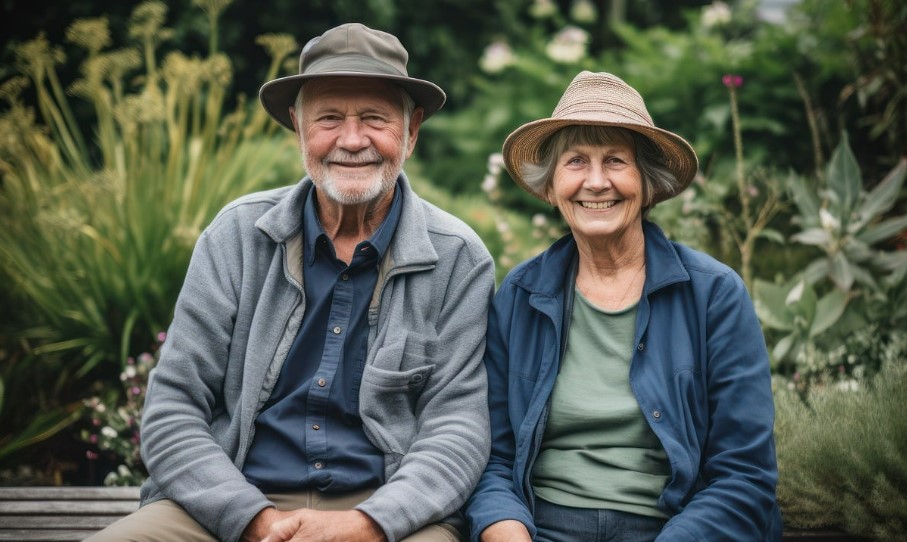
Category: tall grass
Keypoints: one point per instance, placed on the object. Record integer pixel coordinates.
(97, 223)
(842, 457)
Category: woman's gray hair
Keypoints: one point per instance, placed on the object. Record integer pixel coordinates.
(656, 177)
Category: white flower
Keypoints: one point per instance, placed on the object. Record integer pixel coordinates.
(539, 220)
(129, 371)
(568, 45)
(583, 11)
(496, 58)
(495, 163)
(716, 14)
(489, 183)
(542, 9)
(108, 431)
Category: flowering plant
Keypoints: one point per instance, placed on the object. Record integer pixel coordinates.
(115, 420)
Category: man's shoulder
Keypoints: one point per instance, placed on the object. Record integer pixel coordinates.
(264, 199)
(247, 209)
(442, 224)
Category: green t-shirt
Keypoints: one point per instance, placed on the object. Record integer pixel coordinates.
(598, 451)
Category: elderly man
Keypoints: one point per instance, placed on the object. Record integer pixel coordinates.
(322, 377)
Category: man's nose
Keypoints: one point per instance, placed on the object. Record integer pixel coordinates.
(352, 136)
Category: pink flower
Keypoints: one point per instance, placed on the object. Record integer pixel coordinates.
(136, 390)
(93, 439)
(732, 81)
(91, 455)
(161, 336)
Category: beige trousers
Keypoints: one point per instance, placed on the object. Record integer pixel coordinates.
(166, 521)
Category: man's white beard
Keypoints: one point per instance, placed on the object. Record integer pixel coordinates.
(369, 186)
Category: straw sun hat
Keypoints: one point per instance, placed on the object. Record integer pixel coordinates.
(350, 50)
(599, 99)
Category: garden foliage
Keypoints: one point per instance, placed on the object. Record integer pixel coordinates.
(841, 455)
(97, 223)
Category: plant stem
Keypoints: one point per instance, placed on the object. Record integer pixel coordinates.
(818, 158)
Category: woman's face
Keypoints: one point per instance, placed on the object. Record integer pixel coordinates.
(598, 189)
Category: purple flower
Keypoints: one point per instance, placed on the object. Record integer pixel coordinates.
(732, 81)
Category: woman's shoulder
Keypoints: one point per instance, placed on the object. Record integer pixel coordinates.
(544, 272)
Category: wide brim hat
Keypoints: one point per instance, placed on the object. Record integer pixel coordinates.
(599, 99)
(350, 50)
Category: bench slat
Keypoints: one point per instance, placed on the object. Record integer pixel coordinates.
(56, 522)
(69, 493)
(70, 508)
(46, 535)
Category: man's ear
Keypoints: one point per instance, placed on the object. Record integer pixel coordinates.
(293, 119)
(415, 122)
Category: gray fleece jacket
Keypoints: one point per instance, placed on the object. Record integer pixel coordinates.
(423, 392)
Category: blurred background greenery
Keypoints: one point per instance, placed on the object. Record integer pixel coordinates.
(124, 126)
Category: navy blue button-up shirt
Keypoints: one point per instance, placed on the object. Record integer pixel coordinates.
(309, 433)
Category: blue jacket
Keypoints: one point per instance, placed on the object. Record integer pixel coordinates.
(700, 374)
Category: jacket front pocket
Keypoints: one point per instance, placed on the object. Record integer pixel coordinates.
(387, 405)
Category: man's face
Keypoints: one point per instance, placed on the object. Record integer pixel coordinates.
(354, 137)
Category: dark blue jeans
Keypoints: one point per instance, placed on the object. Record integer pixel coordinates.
(556, 523)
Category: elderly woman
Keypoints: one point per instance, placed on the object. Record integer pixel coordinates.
(629, 381)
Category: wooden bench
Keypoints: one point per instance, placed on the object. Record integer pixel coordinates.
(74, 513)
(62, 513)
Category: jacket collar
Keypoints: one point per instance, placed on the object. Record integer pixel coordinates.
(409, 246)
(545, 274)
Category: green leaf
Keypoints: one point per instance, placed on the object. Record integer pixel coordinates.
(883, 230)
(840, 272)
(816, 271)
(43, 426)
(783, 347)
(812, 236)
(806, 199)
(891, 261)
(828, 310)
(863, 276)
(884, 195)
(844, 178)
(769, 301)
(772, 235)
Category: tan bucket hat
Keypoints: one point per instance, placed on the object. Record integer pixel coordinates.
(349, 50)
(599, 99)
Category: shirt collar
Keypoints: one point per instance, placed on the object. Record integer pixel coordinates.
(380, 240)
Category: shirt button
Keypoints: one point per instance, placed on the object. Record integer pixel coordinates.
(336, 330)
(345, 276)
(319, 465)
(640, 347)
(322, 382)
(656, 414)
(316, 427)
